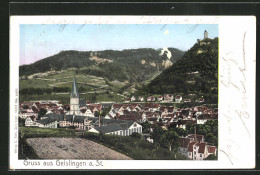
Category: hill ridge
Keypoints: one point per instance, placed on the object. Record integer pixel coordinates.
(195, 73)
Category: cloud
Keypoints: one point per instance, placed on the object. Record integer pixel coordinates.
(166, 32)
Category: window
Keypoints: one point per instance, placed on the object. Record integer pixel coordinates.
(200, 155)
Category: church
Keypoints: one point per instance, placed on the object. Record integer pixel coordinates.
(82, 121)
(74, 100)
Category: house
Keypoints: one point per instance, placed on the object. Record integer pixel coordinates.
(88, 113)
(119, 127)
(46, 122)
(141, 98)
(178, 99)
(195, 148)
(127, 100)
(200, 100)
(187, 100)
(183, 123)
(133, 116)
(151, 98)
(166, 110)
(160, 98)
(152, 107)
(31, 121)
(203, 118)
(168, 97)
(132, 98)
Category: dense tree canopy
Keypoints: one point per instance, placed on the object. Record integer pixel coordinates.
(118, 65)
(196, 72)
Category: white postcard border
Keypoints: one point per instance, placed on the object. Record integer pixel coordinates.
(237, 70)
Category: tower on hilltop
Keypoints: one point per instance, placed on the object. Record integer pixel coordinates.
(205, 34)
(74, 99)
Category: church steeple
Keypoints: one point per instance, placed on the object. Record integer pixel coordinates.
(74, 99)
(74, 92)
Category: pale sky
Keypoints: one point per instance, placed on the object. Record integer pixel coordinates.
(39, 41)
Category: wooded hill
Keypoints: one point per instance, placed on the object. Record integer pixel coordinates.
(196, 72)
(133, 65)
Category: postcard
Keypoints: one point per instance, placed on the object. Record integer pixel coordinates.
(132, 92)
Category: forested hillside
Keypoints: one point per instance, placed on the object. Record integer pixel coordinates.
(133, 65)
(196, 72)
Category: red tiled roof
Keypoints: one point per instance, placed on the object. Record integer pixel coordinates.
(202, 147)
(184, 142)
(211, 149)
(151, 105)
(199, 137)
(117, 105)
(152, 119)
(190, 146)
(131, 116)
(169, 108)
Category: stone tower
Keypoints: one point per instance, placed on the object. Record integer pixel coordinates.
(74, 99)
(205, 34)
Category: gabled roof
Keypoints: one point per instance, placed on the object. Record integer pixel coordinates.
(133, 115)
(108, 128)
(151, 105)
(51, 117)
(211, 149)
(184, 142)
(198, 137)
(74, 92)
(201, 147)
(111, 125)
(77, 118)
(190, 146)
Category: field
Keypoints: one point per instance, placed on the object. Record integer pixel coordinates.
(136, 148)
(90, 87)
(73, 148)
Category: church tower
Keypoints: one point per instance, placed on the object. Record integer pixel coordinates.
(74, 99)
(205, 34)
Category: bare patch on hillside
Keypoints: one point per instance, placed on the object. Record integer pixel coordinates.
(73, 148)
(100, 60)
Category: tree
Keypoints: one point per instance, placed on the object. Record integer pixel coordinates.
(180, 131)
(41, 112)
(96, 114)
(146, 127)
(105, 111)
(136, 135)
(21, 122)
(157, 135)
(211, 157)
(169, 138)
